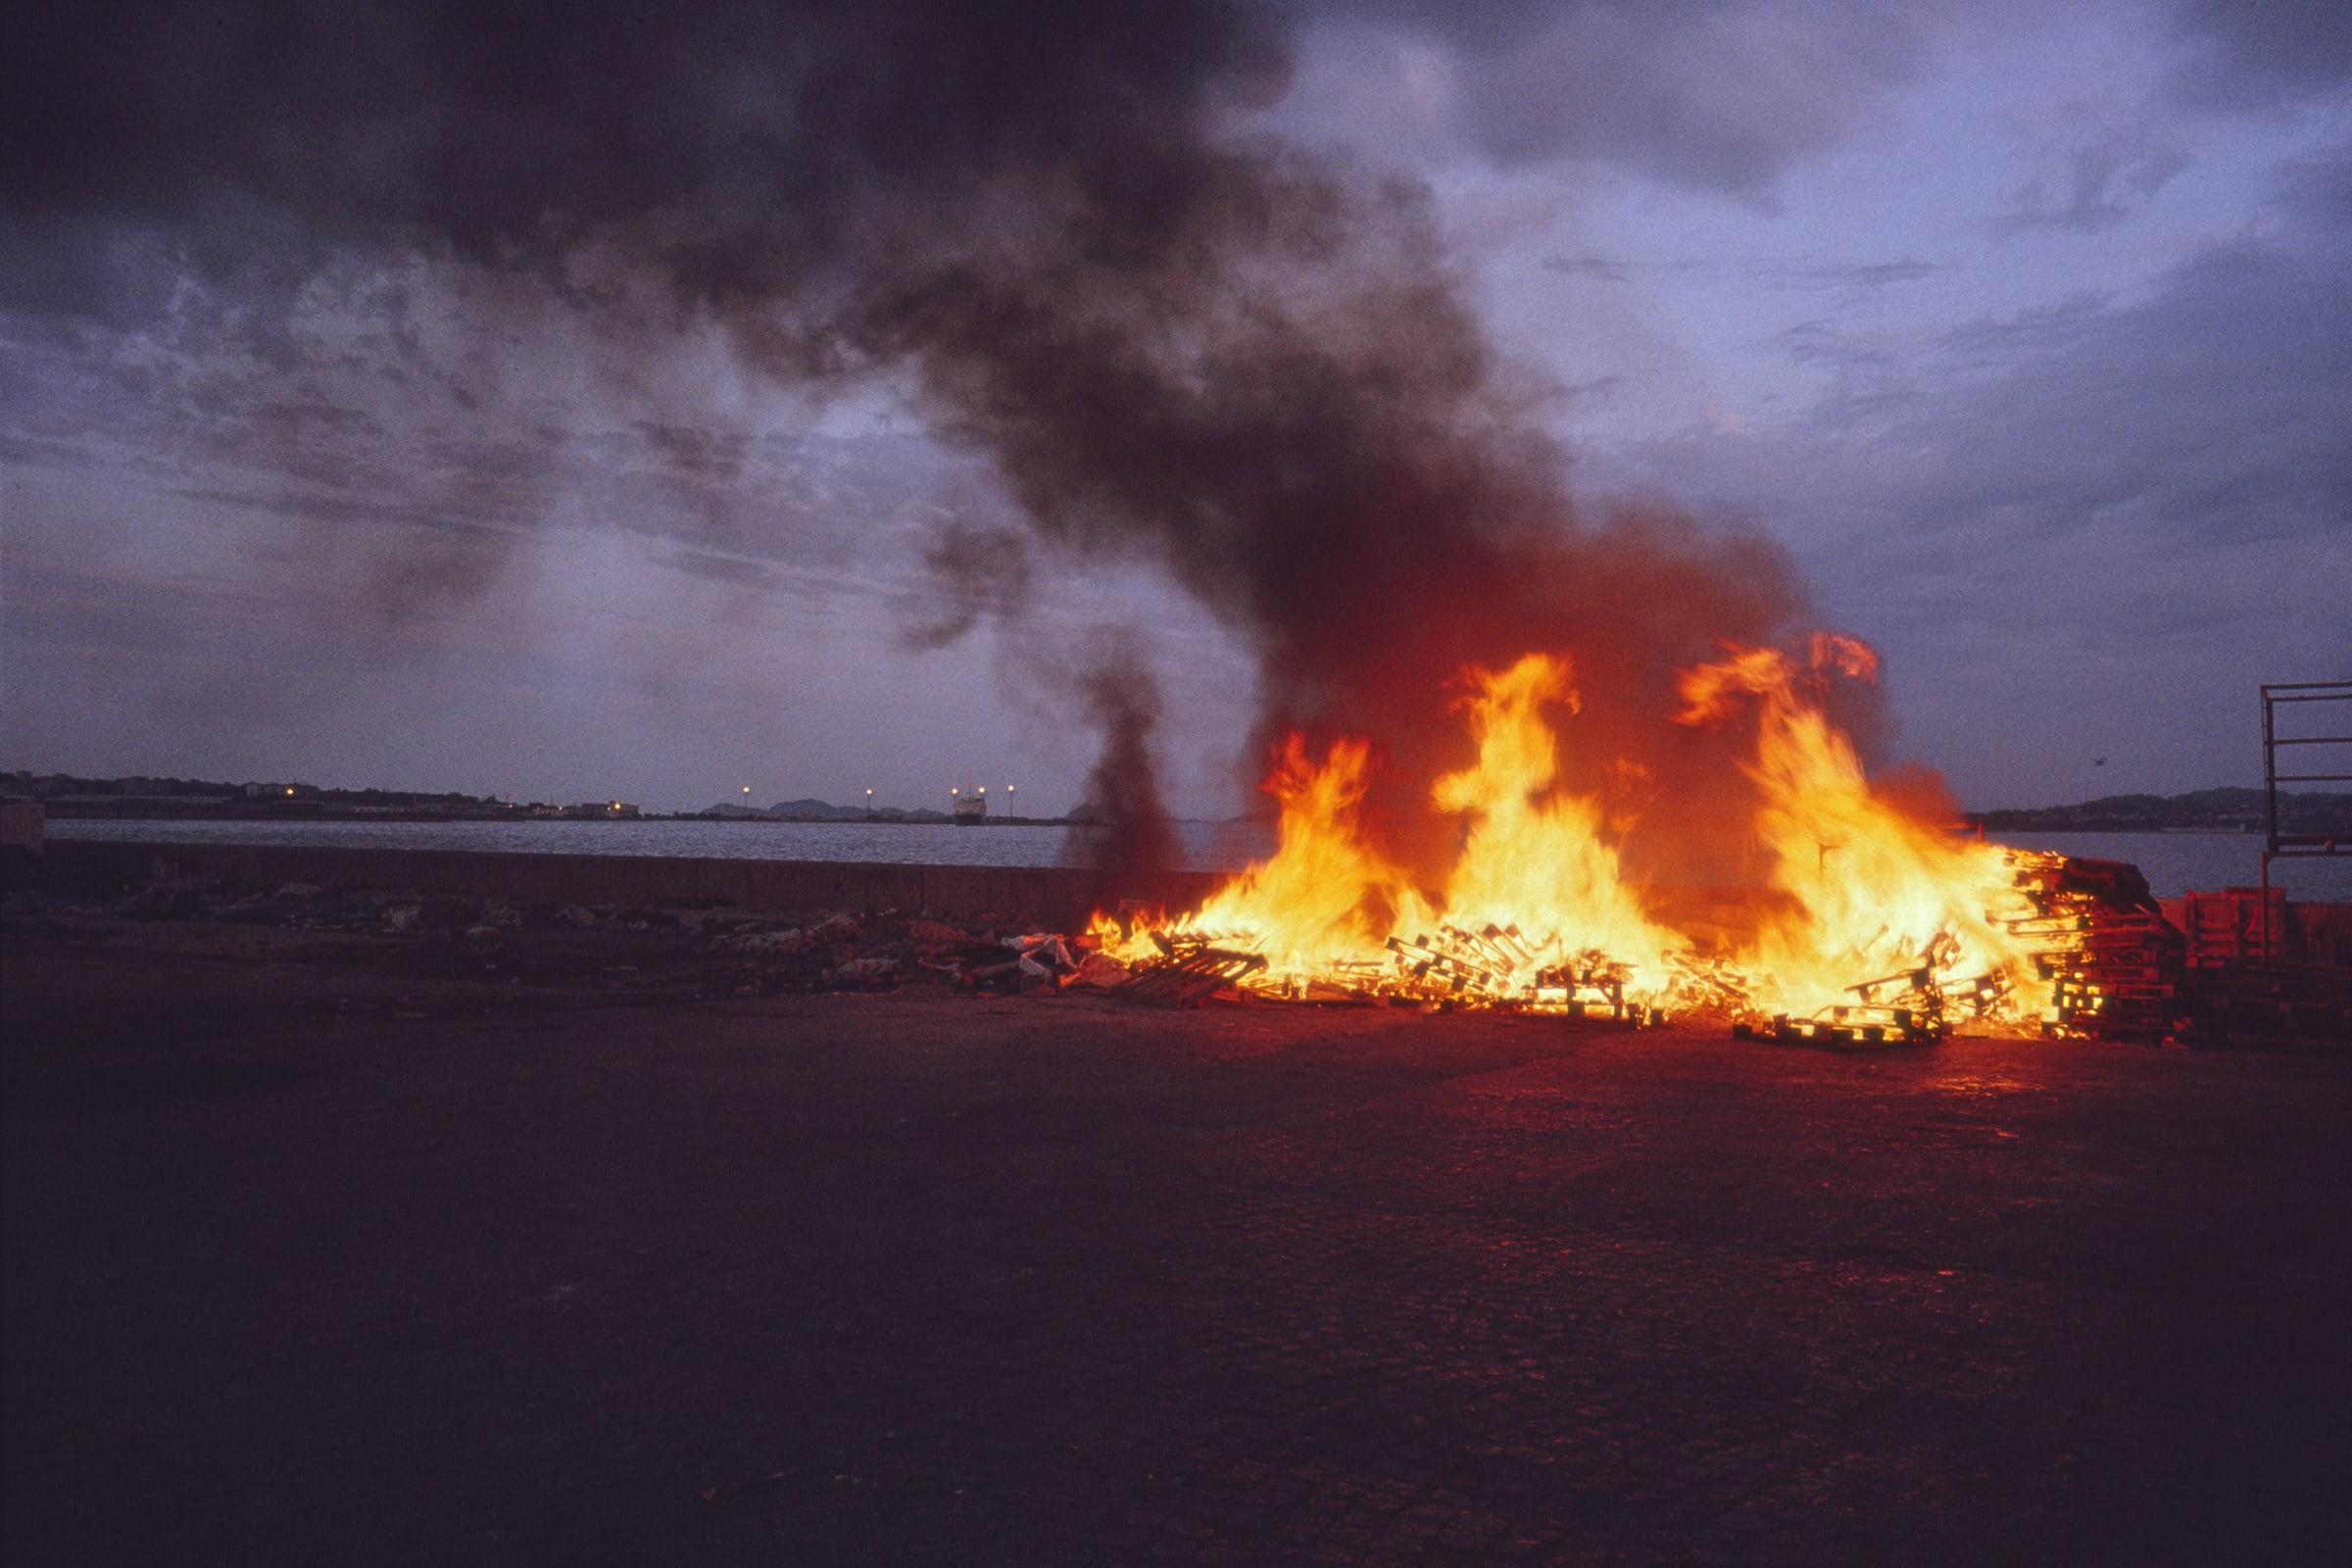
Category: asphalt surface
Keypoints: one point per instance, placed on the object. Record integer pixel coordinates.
(305, 1263)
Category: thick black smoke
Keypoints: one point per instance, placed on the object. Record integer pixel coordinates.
(1122, 827)
(1177, 341)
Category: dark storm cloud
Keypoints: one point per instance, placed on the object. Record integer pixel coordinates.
(732, 570)
(1865, 277)
(2254, 53)
(341, 510)
(2219, 405)
(2132, 511)
(1717, 94)
(1850, 280)
(1725, 95)
(2217, 408)
(82, 610)
(717, 454)
(1598, 390)
(2097, 185)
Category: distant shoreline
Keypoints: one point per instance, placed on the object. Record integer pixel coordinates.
(878, 819)
(83, 814)
(2133, 830)
(79, 814)
(2011, 823)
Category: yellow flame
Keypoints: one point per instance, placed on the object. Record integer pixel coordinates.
(1533, 858)
(1325, 897)
(1536, 899)
(1874, 894)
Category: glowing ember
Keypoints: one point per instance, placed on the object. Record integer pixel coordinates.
(1868, 914)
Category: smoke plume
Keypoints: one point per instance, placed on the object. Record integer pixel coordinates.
(1178, 340)
(1123, 826)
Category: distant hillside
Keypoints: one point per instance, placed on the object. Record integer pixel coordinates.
(808, 809)
(2231, 810)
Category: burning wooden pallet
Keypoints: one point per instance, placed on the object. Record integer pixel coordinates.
(1849, 1027)
(1447, 964)
(1188, 973)
(1493, 968)
(2115, 964)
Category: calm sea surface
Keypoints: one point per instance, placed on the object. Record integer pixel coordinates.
(2173, 862)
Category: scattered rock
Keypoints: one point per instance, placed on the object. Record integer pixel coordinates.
(786, 941)
(837, 928)
(1098, 971)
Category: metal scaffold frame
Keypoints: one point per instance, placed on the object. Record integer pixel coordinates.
(2296, 846)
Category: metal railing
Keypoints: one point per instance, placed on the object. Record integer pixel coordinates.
(2294, 846)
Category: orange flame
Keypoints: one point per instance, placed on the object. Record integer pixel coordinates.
(1533, 858)
(1874, 894)
(1325, 897)
(1874, 904)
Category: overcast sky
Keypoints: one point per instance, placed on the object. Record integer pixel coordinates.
(2029, 335)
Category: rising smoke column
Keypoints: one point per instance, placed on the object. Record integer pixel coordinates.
(1178, 341)
(1123, 828)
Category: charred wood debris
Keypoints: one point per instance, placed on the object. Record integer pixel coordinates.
(2120, 969)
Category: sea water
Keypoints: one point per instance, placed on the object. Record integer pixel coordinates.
(2173, 862)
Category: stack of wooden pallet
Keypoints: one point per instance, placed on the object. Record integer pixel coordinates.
(2233, 924)
(1189, 973)
(2117, 966)
(2125, 981)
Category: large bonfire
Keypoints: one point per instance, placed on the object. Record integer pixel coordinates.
(1866, 902)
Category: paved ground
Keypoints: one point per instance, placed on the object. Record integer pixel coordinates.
(513, 1277)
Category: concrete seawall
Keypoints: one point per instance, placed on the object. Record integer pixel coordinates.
(1053, 897)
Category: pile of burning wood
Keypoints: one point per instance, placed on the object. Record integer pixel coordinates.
(2105, 963)
(1493, 968)
(2100, 960)
(2114, 964)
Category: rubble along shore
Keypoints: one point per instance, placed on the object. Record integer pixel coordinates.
(1056, 898)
